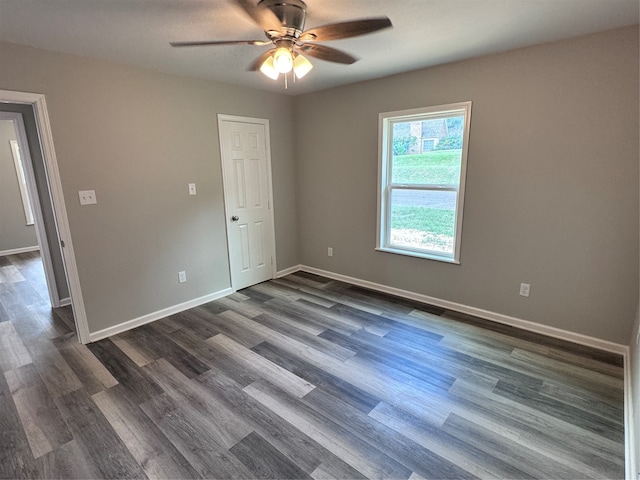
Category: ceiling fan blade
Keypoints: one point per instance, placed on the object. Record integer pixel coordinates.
(327, 53)
(260, 60)
(260, 14)
(205, 43)
(336, 31)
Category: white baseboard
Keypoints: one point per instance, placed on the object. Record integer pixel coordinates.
(15, 251)
(478, 312)
(152, 317)
(288, 271)
(64, 302)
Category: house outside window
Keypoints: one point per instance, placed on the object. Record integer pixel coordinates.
(422, 170)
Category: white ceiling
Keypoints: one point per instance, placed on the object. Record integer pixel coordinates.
(425, 33)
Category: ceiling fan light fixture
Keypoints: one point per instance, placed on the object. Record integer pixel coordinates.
(283, 60)
(301, 66)
(269, 69)
(283, 22)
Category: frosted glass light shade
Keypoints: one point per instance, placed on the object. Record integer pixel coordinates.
(301, 66)
(269, 69)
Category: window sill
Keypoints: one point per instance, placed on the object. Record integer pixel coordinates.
(426, 256)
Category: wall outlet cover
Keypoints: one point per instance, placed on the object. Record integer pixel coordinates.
(87, 197)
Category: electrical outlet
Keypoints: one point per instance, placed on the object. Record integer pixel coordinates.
(182, 277)
(192, 189)
(524, 289)
(330, 252)
(87, 197)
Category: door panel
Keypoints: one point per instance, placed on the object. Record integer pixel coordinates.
(245, 164)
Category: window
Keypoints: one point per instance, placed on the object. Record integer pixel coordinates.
(22, 181)
(422, 169)
(429, 144)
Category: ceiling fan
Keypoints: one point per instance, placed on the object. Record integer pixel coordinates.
(283, 25)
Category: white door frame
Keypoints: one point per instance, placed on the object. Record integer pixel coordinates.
(260, 121)
(37, 101)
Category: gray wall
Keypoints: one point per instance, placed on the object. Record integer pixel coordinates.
(138, 138)
(551, 188)
(552, 182)
(14, 232)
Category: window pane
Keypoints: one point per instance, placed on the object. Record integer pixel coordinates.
(423, 220)
(422, 175)
(427, 151)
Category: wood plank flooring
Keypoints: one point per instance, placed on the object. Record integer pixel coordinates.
(300, 377)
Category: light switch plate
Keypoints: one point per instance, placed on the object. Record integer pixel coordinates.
(192, 189)
(87, 197)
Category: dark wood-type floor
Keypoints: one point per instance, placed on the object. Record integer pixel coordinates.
(295, 378)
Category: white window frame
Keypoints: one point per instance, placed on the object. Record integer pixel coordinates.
(385, 187)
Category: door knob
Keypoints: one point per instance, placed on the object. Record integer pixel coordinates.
(235, 218)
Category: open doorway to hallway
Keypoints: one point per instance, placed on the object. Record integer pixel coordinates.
(27, 293)
(55, 243)
(24, 299)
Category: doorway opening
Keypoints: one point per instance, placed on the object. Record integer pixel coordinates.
(28, 113)
(28, 277)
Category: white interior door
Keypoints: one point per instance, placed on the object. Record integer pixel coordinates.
(246, 168)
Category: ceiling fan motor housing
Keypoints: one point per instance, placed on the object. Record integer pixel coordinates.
(291, 13)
